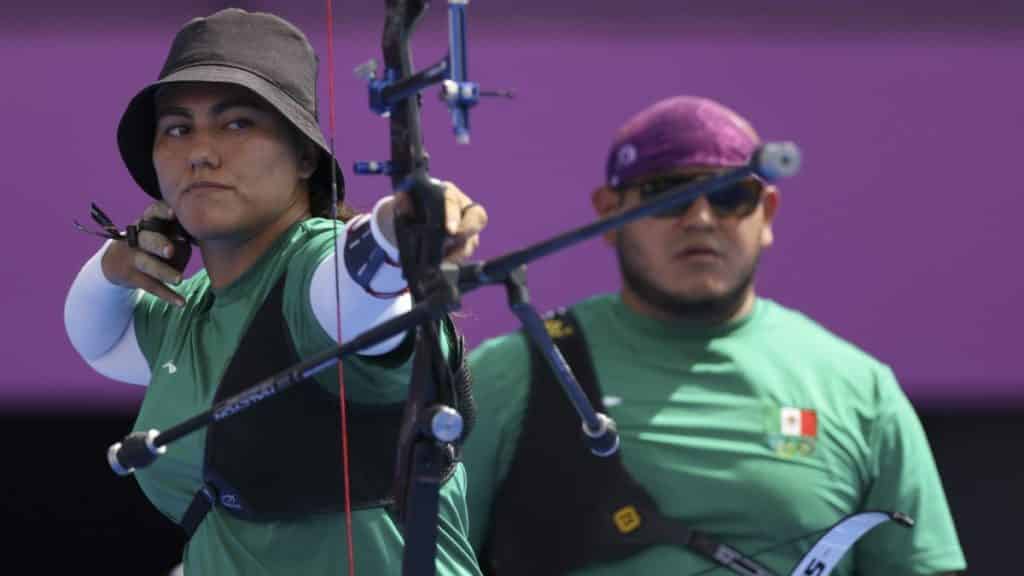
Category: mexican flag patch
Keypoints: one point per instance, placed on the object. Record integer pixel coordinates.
(791, 431)
(797, 422)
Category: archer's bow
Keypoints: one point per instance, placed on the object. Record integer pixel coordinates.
(430, 425)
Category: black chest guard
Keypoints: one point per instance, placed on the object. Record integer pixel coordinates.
(280, 460)
(560, 507)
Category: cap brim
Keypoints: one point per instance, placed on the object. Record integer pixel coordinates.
(136, 129)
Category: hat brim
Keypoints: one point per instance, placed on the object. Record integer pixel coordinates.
(135, 132)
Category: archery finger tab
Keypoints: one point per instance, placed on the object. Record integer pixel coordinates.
(155, 243)
(131, 235)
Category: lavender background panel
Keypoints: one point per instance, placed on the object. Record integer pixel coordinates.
(899, 233)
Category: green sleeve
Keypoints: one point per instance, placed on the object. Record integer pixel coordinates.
(147, 315)
(905, 479)
(501, 369)
(154, 318)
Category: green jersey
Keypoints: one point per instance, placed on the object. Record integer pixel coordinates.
(189, 348)
(756, 432)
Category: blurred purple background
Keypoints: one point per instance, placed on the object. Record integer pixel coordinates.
(898, 234)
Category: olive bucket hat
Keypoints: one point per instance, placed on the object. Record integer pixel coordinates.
(258, 51)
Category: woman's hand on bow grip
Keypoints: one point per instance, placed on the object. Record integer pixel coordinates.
(145, 266)
(464, 220)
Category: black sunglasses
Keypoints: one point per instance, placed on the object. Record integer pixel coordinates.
(736, 201)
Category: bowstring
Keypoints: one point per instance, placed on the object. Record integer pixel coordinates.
(337, 290)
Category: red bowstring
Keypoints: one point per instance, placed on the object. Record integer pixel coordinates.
(337, 290)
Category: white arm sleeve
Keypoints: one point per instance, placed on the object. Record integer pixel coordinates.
(361, 308)
(99, 322)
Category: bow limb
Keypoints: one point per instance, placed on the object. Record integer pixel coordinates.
(827, 551)
(423, 453)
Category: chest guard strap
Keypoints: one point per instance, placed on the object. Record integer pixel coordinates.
(281, 460)
(537, 528)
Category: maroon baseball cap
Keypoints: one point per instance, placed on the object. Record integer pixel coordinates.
(676, 133)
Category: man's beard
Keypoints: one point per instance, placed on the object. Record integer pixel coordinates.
(712, 309)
